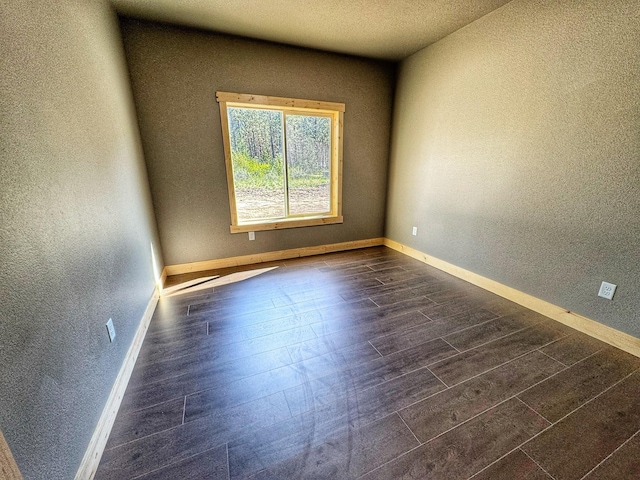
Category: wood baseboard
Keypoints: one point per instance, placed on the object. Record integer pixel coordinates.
(268, 256)
(607, 334)
(8, 467)
(92, 456)
(163, 279)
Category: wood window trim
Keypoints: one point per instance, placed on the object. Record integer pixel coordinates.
(333, 109)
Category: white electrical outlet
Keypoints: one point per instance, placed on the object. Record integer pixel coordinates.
(607, 290)
(414, 231)
(252, 235)
(111, 330)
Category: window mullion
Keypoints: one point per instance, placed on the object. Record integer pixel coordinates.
(285, 164)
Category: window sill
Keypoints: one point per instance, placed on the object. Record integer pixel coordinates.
(282, 224)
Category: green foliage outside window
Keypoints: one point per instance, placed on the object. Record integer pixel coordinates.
(256, 137)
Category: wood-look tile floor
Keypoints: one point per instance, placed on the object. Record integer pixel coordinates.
(371, 364)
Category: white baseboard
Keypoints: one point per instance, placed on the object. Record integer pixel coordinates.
(94, 451)
(607, 334)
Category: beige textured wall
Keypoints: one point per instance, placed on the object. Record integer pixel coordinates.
(75, 227)
(516, 152)
(175, 74)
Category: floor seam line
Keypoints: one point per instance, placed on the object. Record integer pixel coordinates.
(610, 455)
(556, 360)
(438, 378)
(534, 461)
(578, 408)
(392, 460)
(486, 371)
(176, 462)
(534, 411)
(374, 347)
(412, 432)
(457, 350)
(520, 330)
(515, 396)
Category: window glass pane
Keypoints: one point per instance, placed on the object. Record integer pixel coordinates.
(255, 138)
(309, 163)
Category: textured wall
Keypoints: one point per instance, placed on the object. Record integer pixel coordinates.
(75, 227)
(516, 152)
(175, 74)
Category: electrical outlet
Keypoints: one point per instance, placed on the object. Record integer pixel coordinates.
(607, 290)
(414, 231)
(252, 235)
(111, 330)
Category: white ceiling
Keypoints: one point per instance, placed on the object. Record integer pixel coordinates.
(384, 29)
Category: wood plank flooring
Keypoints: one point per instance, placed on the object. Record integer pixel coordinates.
(369, 364)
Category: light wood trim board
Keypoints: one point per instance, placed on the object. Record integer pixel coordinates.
(231, 190)
(163, 279)
(336, 168)
(278, 101)
(8, 467)
(270, 256)
(279, 225)
(98, 441)
(607, 334)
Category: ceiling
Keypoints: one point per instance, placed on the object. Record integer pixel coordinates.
(383, 29)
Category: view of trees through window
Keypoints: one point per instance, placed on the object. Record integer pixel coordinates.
(281, 163)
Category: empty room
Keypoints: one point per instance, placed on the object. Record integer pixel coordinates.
(320, 239)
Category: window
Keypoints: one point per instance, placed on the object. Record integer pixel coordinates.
(284, 161)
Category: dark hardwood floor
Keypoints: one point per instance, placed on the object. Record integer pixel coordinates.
(371, 364)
